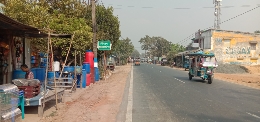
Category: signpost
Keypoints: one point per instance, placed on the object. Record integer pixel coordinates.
(104, 45)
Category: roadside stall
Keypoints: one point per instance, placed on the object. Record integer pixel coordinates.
(15, 50)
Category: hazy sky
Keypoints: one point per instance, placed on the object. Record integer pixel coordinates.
(161, 18)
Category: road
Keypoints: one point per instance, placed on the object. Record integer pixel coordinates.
(162, 94)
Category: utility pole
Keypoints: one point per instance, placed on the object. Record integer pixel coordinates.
(94, 28)
(217, 14)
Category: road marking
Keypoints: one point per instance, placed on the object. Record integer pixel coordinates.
(130, 100)
(253, 115)
(179, 80)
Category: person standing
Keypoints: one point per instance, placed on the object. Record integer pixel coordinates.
(29, 73)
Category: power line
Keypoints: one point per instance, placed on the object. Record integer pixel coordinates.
(223, 22)
(151, 7)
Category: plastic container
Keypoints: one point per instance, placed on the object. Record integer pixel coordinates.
(56, 66)
(96, 74)
(40, 74)
(95, 62)
(50, 75)
(33, 59)
(68, 69)
(88, 79)
(84, 78)
(86, 66)
(89, 57)
(18, 74)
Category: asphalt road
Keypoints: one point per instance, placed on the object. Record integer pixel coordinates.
(163, 94)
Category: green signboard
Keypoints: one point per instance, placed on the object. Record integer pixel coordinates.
(104, 45)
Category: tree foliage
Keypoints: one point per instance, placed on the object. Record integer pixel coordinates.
(157, 46)
(65, 17)
(124, 48)
(107, 25)
(135, 53)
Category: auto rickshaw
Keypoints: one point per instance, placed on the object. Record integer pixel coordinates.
(137, 62)
(186, 63)
(202, 64)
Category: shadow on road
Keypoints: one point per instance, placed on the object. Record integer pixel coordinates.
(194, 79)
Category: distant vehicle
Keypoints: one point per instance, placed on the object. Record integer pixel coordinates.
(137, 62)
(163, 61)
(111, 66)
(142, 60)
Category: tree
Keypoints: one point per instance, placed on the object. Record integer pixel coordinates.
(157, 46)
(31, 13)
(146, 42)
(123, 49)
(135, 53)
(107, 25)
(257, 31)
(177, 48)
(64, 17)
(142, 55)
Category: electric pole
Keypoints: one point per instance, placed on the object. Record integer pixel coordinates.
(217, 14)
(94, 28)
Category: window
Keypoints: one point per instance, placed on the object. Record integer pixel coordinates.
(226, 42)
(253, 46)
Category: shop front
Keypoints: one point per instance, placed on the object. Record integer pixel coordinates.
(15, 50)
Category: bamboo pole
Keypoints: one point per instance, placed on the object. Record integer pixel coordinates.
(67, 54)
(75, 73)
(54, 79)
(81, 69)
(45, 81)
(105, 63)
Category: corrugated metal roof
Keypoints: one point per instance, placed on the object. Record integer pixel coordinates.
(20, 29)
(6, 23)
(9, 25)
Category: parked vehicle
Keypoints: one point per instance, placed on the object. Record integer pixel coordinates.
(163, 61)
(111, 66)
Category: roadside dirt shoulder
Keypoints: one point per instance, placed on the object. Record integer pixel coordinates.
(98, 103)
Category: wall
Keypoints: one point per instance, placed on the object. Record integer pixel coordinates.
(236, 47)
(207, 39)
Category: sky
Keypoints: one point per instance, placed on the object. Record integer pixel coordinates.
(163, 18)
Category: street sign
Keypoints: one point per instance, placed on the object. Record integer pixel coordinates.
(104, 45)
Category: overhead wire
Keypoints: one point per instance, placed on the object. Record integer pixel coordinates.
(221, 23)
(192, 35)
(145, 7)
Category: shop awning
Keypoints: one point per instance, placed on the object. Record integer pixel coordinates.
(8, 25)
(15, 28)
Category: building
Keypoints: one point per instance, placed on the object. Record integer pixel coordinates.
(232, 47)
